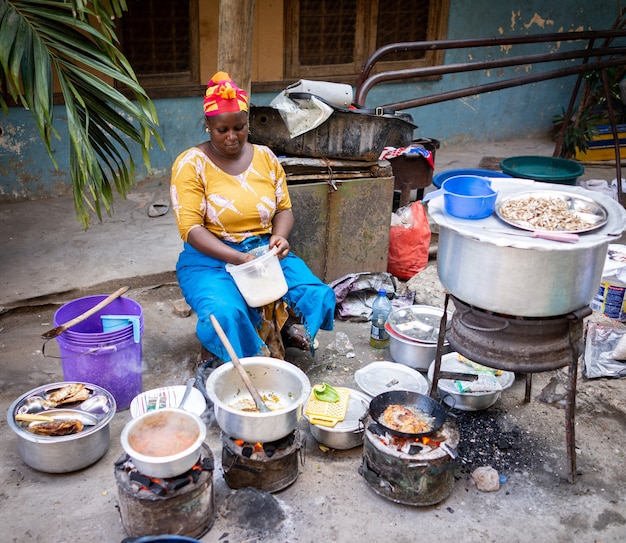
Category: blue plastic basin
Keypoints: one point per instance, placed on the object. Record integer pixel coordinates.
(439, 178)
(468, 197)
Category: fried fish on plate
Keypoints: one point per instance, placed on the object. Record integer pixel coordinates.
(56, 428)
(74, 392)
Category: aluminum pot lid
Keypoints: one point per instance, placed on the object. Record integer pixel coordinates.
(454, 362)
(379, 377)
(417, 322)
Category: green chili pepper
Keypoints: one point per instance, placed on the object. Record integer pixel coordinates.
(326, 393)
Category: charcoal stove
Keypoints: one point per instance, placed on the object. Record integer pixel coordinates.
(181, 505)
(417, 471)
(269, 467)
(520, 344)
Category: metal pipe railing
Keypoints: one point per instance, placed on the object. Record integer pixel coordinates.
(604, 56)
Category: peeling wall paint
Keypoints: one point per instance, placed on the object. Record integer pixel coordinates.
(27, 172)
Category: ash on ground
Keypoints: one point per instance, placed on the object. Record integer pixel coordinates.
(487, 439)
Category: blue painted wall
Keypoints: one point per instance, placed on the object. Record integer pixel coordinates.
(26, 171)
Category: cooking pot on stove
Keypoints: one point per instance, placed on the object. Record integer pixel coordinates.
(521, 275)
(284, 388)
(413, 401)
(526, 282)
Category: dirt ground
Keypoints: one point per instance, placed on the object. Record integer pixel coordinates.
(330, 501)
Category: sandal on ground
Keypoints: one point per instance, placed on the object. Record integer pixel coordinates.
(158, 208)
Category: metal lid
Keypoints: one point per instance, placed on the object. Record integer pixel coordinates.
(417, 322)
(379, 377)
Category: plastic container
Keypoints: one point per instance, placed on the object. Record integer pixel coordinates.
(610, 299)
(543, 168)
(260, 281)
(114, 323)
(466, 196)
(379, 338)
(111, 360)
(439, 178)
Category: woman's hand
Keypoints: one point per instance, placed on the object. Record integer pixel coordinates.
(281, 244)
(281, 228)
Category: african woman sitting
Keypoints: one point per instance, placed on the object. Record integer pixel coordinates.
(230, 197)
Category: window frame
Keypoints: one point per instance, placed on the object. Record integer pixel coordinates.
(365, 44)
(173, 84)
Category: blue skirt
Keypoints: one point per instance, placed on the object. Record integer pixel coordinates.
(210, 290)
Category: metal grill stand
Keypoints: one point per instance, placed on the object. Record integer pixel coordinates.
(574, 334)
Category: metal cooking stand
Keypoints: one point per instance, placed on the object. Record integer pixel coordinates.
(570, 405)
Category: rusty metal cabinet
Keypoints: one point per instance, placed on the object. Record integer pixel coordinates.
(341, 224)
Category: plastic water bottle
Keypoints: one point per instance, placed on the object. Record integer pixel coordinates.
(379, 338)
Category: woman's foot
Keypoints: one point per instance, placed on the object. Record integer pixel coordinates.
(294, 335)
(207, 359)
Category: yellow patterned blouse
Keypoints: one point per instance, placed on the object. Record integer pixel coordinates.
(233, 207)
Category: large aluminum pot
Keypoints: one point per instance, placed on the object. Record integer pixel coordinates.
(284, 388)
(525, 282)
(497, 267)
(64, 454)
(168, 429)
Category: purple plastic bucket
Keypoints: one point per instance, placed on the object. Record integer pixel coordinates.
(93, 324)
(112, 360)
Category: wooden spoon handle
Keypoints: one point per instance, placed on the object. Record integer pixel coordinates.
(62, 327)
(31, 417)
(242, 372)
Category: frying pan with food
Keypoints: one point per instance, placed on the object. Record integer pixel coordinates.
(415, 402)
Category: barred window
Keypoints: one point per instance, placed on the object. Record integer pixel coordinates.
(326, 38)
(160, 40)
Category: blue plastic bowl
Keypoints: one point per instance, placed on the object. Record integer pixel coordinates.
(439, 178)
(468, 197)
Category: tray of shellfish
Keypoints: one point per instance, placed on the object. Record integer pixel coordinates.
(552, 211)
(65, 408)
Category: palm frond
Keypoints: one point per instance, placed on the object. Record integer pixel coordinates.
(75, 41)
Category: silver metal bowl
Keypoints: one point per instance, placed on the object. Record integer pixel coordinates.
(63, 454)
(284, 387)
(347, 433)
(467, 401)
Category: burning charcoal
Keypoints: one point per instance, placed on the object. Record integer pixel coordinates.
(247, 451)
(376, 429)
(415, 448)
(269, 449)
(178, 483)
(207, 463)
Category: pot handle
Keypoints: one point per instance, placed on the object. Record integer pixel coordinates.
(448, 405)
(504, 326)
(432, 195)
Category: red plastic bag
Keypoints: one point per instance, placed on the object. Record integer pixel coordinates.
(409, 239)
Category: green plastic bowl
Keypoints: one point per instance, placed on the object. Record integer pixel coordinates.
(543, 168)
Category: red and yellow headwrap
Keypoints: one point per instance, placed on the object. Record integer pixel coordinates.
(223, 96)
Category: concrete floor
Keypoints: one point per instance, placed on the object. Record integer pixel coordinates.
(48, 260)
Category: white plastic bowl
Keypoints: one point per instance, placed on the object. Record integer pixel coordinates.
(260, 281)
(171, 396)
